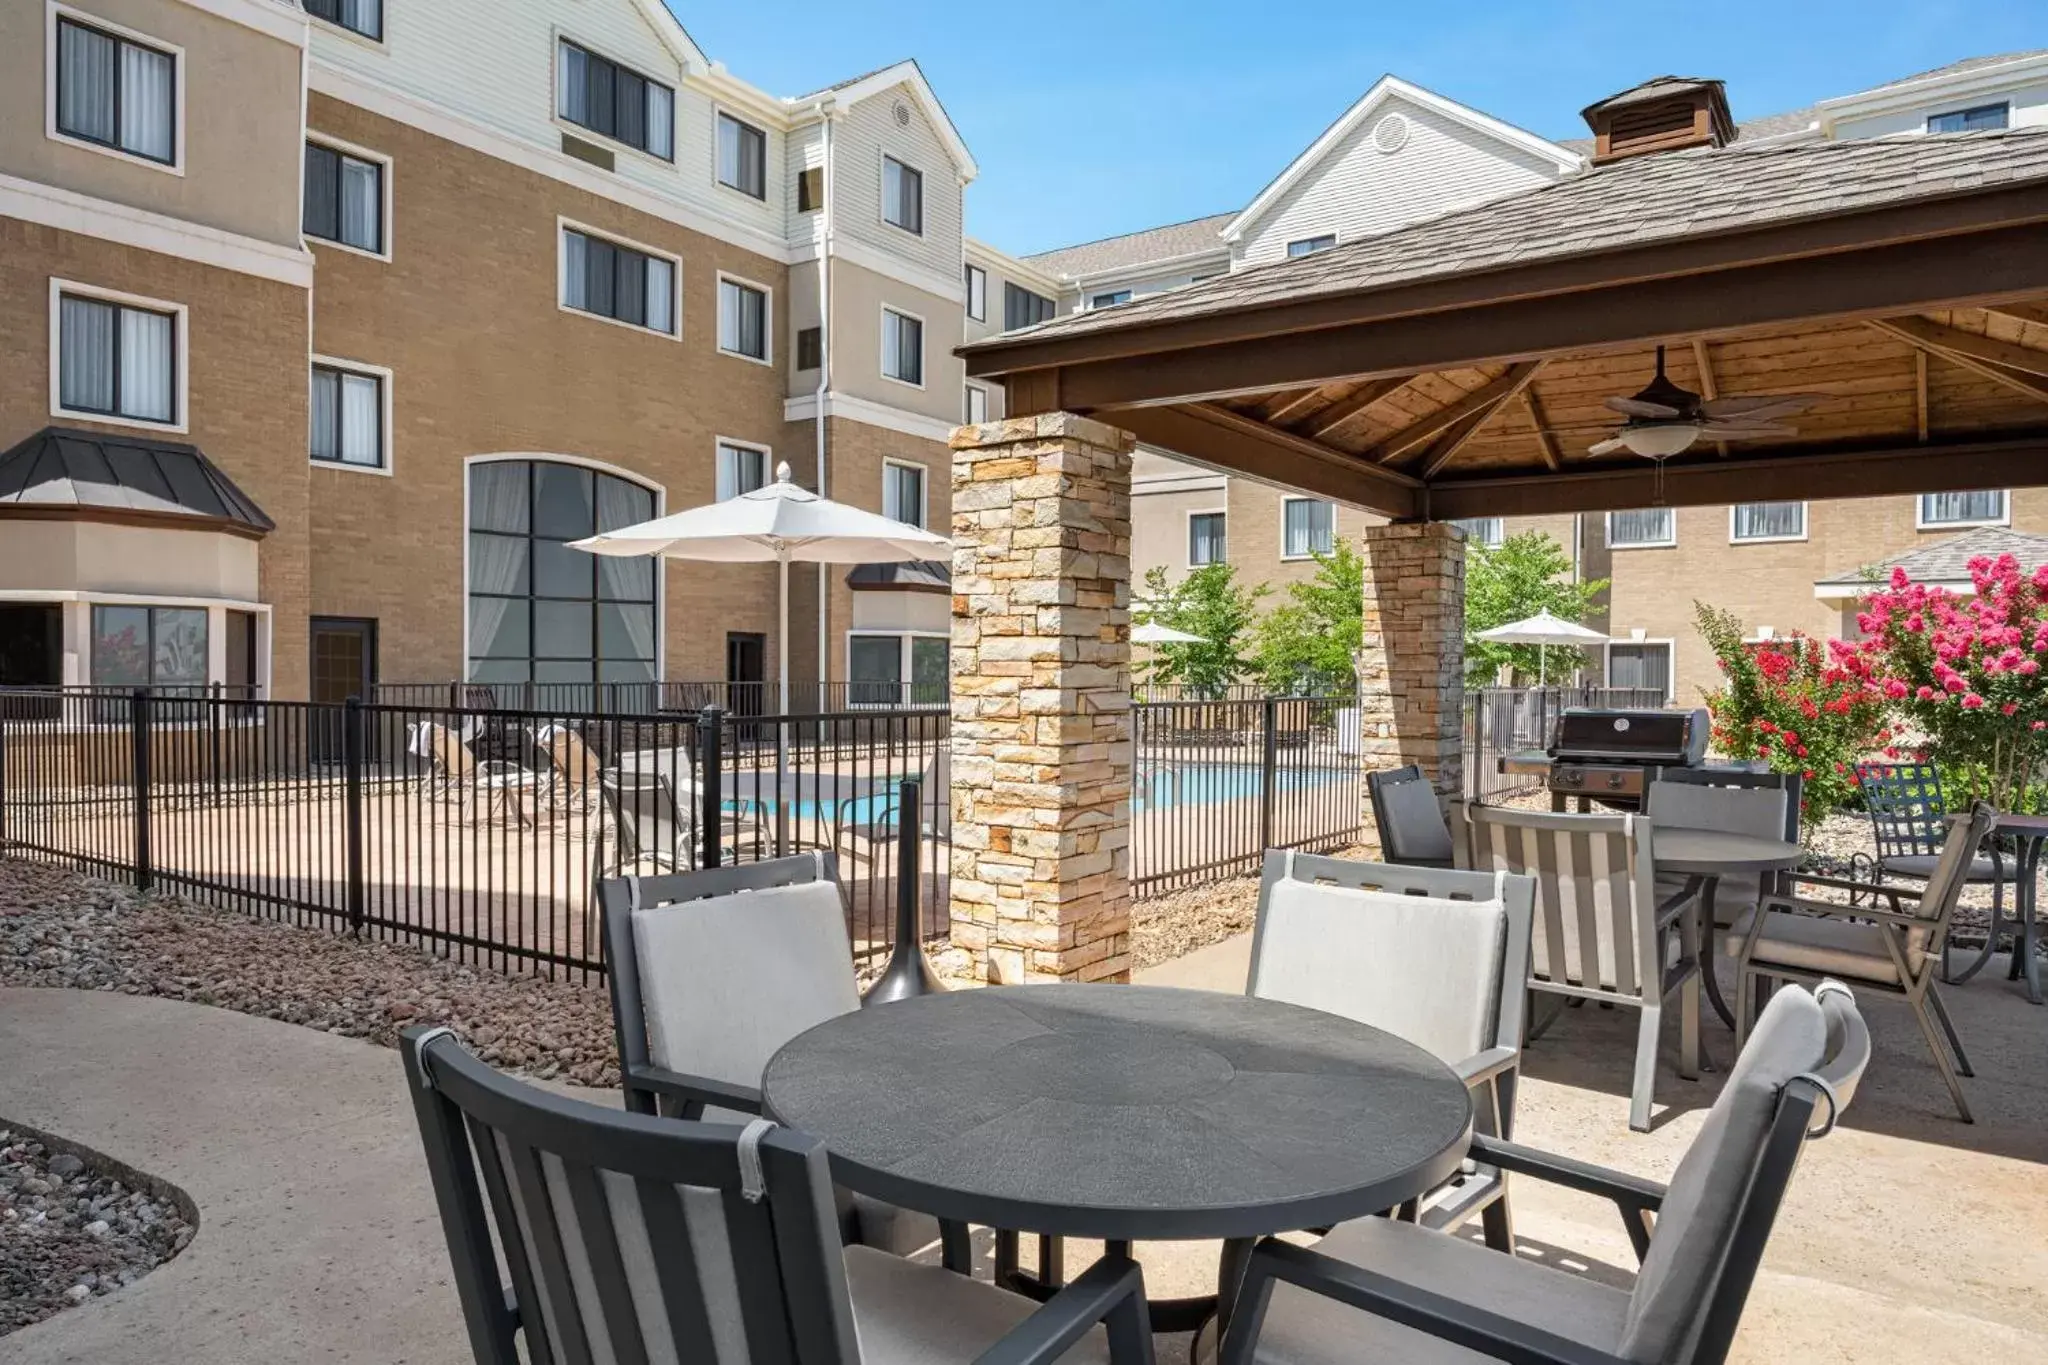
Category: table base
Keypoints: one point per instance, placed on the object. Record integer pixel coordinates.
(1189, 1314)
(2026, 960)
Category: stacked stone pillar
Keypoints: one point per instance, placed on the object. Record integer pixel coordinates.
(1411, 667)
(1041, 739)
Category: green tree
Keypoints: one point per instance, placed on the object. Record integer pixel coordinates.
(1521, 576)
(1309, 643)
(1211, 603)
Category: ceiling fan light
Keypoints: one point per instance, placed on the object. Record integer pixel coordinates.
(1660, 440)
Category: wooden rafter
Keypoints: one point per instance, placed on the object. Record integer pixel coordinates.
(2027, 384)
(1295, 406)
(1545, 442)
(2024, 312)
(1956, 341)
(1339, 413)
(1448, 445)
(1709, 390)
(1482, 399)
(1211, 435)
(1920, 393)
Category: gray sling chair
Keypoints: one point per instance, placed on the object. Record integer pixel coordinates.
(1438, 957)
(1601, 933)
(1762, 804)
(1896, 949)
(711, 972)
(1381, 1289)
(634, 1240)
(1409, 818)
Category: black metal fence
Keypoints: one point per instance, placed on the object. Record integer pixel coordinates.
(477, 831)
(1217, 781)
(643, 698)
(1506, 720)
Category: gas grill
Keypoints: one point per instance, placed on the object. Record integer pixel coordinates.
(1612, 756)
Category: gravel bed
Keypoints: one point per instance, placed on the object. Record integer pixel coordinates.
(69, 1233)
(1175, 924)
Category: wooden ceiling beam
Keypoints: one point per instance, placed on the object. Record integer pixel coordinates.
(1977, 346)
(1920, 393)
(1300, 405)
(2032, 387)
(1709, 390)
(2024, 312)
(1448, 445)
(1231, 443)
(1482, 399)
(1545, 442)
(1338, 414)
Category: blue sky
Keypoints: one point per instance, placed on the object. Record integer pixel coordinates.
(1094, 117)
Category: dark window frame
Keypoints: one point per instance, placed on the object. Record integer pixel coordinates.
(1109, 300)
(744, 288)
(340, 433)
(759, 159)
(622, 254)
(967, 278)
(329, 11)
(1310, 246)
(1024, 307)
(908, 175)
(809, 200)
(1221, 538)
(810, 348)
(615, 90)
(150, 611)
(2002, 107)
(177, 360)
(119, 41)
(917, 380)
(341, 156)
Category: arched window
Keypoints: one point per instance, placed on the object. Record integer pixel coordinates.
(544, 613)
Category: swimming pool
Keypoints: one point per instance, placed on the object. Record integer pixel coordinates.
(1208, 784)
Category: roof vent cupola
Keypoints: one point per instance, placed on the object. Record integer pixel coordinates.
(1666, 114)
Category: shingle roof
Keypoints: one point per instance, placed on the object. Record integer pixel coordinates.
(61, 467)
(1136, 248)
(1630, 203)
(1948, 560)
(1956, 68)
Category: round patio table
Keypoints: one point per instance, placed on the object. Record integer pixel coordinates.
(1706, 856)
(1123, 1113)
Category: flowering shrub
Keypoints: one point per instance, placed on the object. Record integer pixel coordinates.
(1796, 707)
(1965, 674)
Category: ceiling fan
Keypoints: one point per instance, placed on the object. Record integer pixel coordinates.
(1664, 419)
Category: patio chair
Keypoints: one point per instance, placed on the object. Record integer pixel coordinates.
(935, 783)
(574, 773)
(1894, 949)
(1909, 822)
(711, 973)
(1412, 829)
(1381, 1289)
(1438, 957)
(1600, 934)
(1765, 805)
(647, 824)
(630, 1238)
(454, 773)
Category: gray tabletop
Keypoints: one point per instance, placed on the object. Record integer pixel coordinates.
(1713, 852)
(1122, 1112)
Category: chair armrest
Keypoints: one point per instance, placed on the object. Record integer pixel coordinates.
(1890, 893)
(1486, 1065)
(1835, 910)
(1630, 1191)
(1422, 1310)
(1110, 1292)
(694, 1092)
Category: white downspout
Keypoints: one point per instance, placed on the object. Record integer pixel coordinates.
(824, 388)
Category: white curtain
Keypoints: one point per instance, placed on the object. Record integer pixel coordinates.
(575, 262)
(740, 470)
(85, 370)
(148, 366)
(362, 420)
(148, 102)
(661, 294)
(497, 497)
(1308, 527)
(85, 82)
(325, 412)
(661, 120)
(364, 16)
(362, 209)
(572, 82)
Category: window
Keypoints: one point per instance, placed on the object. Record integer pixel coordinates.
(742, 319)
(810, 189)
(877, 665)
(348, 417)
(1644, 526)
(977, 405)
(1985, 507)
(1308, 527)
(617, 282)
(1021, 307)
(977, 293)
(149, 646)
(902, 347)
(903, 492)
(1205, 539)
(742, 157)
(741, 469)
(1768, 521)
(607, 98)
(116, 93)
(1980, 119)
(902, 196)
(810, 348)
(1640, 664)
(540, 611)
(1110, 300)
(344, 198)
(1487, 531)
(357, 16)
(118, 360)
(1309, 246)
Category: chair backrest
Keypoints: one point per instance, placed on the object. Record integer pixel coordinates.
(572, 757)
(1739, 779)
(712, 971)
(1411, 822)
(626, 1237)
(1596, 907)
(1806, 1054)
(450, 754)
(1906, 807)
(1944, 888)
(1758, 811)
(1435, 956)
(645, 812)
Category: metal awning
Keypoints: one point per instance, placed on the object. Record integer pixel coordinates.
(921, 575)
(64, 473)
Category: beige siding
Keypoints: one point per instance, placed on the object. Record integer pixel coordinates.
(858, 297)
(869, 132)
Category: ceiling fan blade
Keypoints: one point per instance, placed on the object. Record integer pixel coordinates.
(1762, 405)
(1746, 430)
(1607, 447)
(1636, 407)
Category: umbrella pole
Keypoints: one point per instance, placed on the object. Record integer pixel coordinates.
(782, 728)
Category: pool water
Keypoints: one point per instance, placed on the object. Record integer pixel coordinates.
(1207, 784)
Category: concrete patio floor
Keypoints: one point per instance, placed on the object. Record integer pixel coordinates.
(1907, 1236)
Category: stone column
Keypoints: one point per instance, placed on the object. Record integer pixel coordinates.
(1041, 699)
(1411, 667)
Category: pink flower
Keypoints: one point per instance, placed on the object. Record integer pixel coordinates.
(1894, 688)
(2009, 708)
(1899, 579)
(2026, 666)
(1972, 702)
(1954, 683)
(2039, 725)
(1925, 693)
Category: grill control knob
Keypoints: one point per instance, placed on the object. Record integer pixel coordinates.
(1616, 781)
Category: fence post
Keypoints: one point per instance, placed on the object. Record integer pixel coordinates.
(352, 764)
(139, 732)
(1269, 767)
(213, 705)
(711, 759)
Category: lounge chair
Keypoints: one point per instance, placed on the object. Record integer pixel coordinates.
(1412, 829)
(455, 774)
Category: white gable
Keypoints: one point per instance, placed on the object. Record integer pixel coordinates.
(893, 121)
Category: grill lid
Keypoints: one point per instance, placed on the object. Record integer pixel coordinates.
(1630, 736)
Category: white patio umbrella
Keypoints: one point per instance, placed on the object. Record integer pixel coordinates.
(1152, 633)
(780, 524)
(1543, 629)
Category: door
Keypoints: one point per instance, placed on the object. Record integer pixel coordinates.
(746, 672)
(31, 655)
(344, 666)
